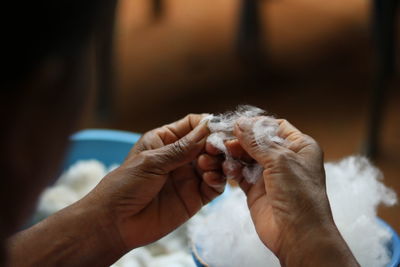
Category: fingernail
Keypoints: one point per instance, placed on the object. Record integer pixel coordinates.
(206, 118)
(243, 124)
(199, 134)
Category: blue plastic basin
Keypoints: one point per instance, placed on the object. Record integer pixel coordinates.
(107, 146)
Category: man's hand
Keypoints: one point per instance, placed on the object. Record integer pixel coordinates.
(156, 189)
(159, 186)
(289, 205)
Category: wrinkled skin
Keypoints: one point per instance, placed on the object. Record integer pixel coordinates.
(289, 205)
(158, 187)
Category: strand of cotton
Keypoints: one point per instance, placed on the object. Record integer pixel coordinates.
(221, 127)
(355, 189)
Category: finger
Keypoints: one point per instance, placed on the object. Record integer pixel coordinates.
(176, 130)
(262, 153)
(148, 141)
(212, 150)
(232, 169)
(244, 185)
(215, 180)
(172, 156)
(208, 193)
(236, 151)
(287, 131)
(254, 192)
(297, 141)
(209, 163)
(167, 134)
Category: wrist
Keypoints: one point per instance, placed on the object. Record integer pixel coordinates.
(79, 235)
(317, 245)
(103, 225)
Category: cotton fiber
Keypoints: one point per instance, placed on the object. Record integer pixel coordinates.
(264, 129)
(226, 237)
(72, 185)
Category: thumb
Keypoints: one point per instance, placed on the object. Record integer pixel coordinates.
(183, 151)
(262, 150)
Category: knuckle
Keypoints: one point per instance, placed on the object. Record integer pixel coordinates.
(160, 131)
(285, 156)
(188, 117)
(281, 156)
(150, 136)
(192, 116)
(151, 163)
(144, 142)
(148, 158)
(298, 136)
(179, 146)
(157, 130)
(284, 121)
(308, 139)
(253, 143)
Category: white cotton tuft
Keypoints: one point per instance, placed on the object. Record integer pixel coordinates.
(225, 122)
(355, 190)
(230, 165)
(72, 185)
(265, 131)
(221, 127)
(83, 176)
(217, 139)
(225, 234)
(252, 173)
(55, 199)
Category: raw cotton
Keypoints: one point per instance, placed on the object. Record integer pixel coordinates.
(71, 186)
(226, 236)
(264, 129)
(171, 251)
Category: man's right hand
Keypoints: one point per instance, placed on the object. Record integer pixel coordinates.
(289, 206)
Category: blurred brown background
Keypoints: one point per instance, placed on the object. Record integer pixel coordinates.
(315, 68)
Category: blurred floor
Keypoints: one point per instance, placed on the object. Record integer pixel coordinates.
(317, 74)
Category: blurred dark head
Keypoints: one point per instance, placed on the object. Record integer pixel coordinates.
(36, 30)
(43, 90)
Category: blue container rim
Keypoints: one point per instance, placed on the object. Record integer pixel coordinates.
(395, 245)
(106, 135)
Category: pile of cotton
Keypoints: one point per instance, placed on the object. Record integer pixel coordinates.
(171, 251)
(71, 186)
(226, 236)
(355, 190)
